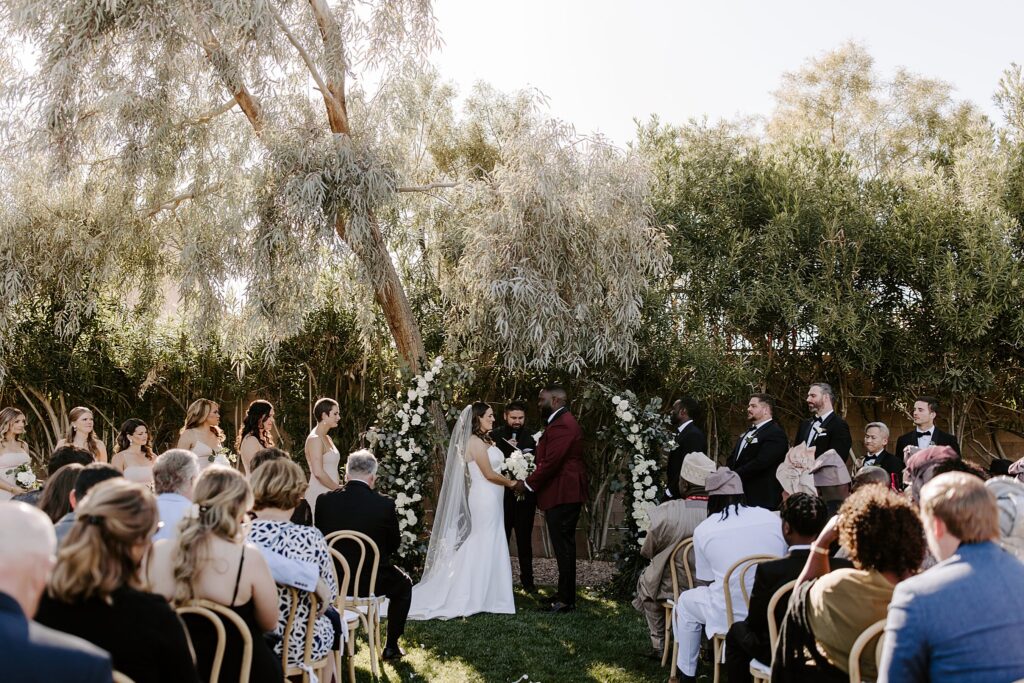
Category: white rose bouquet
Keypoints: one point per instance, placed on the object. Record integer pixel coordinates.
(24, 477)
(518, 465)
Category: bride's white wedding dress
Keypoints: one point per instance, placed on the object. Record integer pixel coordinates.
(478, 576)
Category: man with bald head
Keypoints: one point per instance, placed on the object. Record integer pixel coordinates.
(33, 652)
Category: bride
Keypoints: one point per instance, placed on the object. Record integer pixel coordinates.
(468, 569)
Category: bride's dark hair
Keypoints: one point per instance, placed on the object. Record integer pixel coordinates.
(479, 410)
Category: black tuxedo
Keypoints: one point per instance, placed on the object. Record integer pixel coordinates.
(357, 507)
(757, 463)
(519, 514)
(939, 438)
(836, 436)
(748, 639)
(689, 440)
(890, 463)
(34, 653)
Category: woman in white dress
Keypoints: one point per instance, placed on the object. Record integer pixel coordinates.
(202, 434)
(82, 434)
(468, 570)
(322, 455)
(134, 457)
(13, 451)
(255, 434)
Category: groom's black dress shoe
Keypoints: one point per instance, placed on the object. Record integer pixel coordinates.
(391, 653)
(561, 608)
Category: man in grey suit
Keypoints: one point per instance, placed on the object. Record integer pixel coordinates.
(962, 619)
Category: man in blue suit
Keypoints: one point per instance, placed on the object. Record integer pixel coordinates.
(962, 619)
(30, 652)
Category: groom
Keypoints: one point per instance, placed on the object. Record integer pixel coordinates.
(560, 482)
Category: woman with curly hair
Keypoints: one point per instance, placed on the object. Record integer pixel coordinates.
(134, 457)
(255, 434)
(14, 453)
(885, 541)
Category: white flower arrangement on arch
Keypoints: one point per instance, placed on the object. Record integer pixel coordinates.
(640, 433)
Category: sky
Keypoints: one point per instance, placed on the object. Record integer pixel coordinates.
(602, 63)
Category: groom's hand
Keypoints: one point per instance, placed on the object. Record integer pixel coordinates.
(519, 488)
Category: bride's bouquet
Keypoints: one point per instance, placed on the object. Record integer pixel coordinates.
(518, 465)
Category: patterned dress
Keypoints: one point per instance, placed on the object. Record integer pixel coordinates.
(298, 542)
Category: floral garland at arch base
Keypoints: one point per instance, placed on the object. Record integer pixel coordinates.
(404, 441)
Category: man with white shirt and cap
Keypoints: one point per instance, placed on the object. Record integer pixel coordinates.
(731, 532)
(671, 522)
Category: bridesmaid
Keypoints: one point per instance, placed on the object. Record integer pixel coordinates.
(13, 451)
(202, 433)
(134, 457)
(322, 455)
(255, 432)
(81, 435)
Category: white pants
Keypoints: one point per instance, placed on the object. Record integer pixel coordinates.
(693, 609)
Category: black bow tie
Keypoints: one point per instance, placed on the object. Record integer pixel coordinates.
(920, 434)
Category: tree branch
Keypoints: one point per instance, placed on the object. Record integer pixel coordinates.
(176, 201)
(334, 95)
(302, 52)
(426, 188)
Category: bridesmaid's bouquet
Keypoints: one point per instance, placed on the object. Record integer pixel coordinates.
(24, 477)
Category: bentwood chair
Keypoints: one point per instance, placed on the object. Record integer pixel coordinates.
(350, 618)
(308, 666)
(718, 639)
(684, 546)
(869, 634)
(121, 678)
(759, 671)
(218, 616)
(368, 606)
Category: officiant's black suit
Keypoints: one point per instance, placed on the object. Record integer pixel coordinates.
(690, 440)
(836, 436)
(519, 514)
(357, 507)
(757, 463)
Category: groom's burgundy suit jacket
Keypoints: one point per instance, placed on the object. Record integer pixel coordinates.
(561, 474)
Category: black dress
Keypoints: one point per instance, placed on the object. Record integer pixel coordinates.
(266, 667)
(140, 631)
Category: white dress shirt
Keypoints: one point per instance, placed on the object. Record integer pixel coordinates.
(743, 439)
(926, 440)
(680, 428)
(812, 433)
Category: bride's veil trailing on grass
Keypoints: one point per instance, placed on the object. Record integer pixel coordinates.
(451, 518)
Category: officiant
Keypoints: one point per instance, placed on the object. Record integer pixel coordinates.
(519, 513)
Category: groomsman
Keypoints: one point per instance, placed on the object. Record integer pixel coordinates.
(689, 439)
(759, 452)
(876, 438)
(519, 514)
(926, 433)
(560, 482)
(826, 430)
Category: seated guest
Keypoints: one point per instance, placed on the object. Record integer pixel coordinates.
(922, 465)
(832, 480)
(89, 476)
(302, 514)
(1016, 470)
(731, 532)
(1009, 495)
(671, 522)
(925, 433)
(277, 487)
(95, 592)
(803, 518)
(65, 455)
(174, 478)
(876, 438)
(829, 609)
(869, 474)
(33, 652)
(962, 619)
(56, 498)
(795, 472)
(357, 507)
(211, 560)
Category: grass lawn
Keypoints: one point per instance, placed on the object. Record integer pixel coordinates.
(603, 640)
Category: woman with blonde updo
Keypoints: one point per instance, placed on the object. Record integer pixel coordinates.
(13, 451)
(95, 592)
(202, 433)
(81, 434)
(134, 457)
(211, 560)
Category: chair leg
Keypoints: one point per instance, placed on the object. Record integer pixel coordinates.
(718, 656)
(675, 655)
(350, 645)
(667, 640)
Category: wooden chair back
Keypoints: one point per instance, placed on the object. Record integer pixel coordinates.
(218, 615)
(684, 546)
(121, 678)
(307, 664)
(365, 544)
(862, 641)
(741, 565)
(773, 626)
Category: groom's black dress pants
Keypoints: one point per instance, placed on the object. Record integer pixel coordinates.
(561, 521)
(519, 516)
